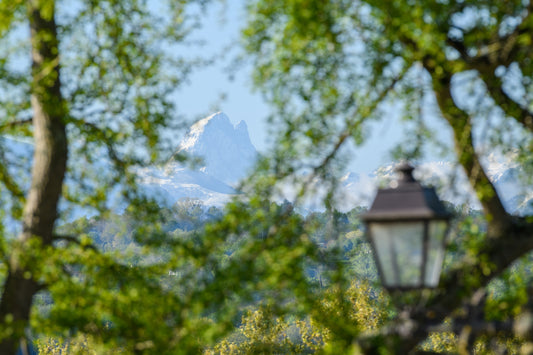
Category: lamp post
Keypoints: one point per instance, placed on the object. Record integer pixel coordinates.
(407, 225)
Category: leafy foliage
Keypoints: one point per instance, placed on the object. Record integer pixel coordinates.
(332, 68)
(94, 97)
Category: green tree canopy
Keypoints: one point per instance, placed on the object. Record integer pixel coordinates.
(90, 84)
(332, 67)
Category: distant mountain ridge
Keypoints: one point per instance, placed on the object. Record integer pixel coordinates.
(450, 181)
(228, 155)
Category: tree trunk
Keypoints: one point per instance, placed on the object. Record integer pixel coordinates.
(48, 171)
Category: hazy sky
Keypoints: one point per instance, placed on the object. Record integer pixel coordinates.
(202, 96)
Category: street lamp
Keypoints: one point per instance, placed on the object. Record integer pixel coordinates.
(407, 225)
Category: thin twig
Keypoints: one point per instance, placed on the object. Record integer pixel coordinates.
(15, 123)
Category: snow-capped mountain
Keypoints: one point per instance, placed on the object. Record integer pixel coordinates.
(450, 181)
(173, 182)
(226, 150)
(226, 156)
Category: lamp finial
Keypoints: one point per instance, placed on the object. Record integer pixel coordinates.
(406, 172)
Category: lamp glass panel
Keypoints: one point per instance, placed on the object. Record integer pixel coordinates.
(435, 252)
(399, 248)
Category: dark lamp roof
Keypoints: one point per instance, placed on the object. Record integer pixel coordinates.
(408, 201)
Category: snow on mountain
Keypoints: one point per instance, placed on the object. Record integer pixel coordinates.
(450, 181)
(226, 150)
(350, 179)
(226, 154)
(355, 190)
(173, 182)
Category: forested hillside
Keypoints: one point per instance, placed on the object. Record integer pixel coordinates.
(339, 243)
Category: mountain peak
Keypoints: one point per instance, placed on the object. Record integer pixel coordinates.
(226, 150)
(241, 126)
(219, 119)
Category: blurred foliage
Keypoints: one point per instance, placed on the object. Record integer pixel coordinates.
(274, 320)
(118, 66)
(270, 312)
(332, 69)
(257, 277)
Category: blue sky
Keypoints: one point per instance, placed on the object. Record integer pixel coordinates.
(210, 90)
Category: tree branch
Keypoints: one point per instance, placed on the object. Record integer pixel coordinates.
(498, 50)
(12, 124)
(503, 50)
(348, 131)
(511, 108)
(73, 240)
(9, 182)
(104, 138)
(460, 122)
(508, 238)
(494, 86)
(48, 170)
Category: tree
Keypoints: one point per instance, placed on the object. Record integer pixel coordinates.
(90, 83)
(94, 97)
(96, 92)
(331, 67)
(261, 332)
